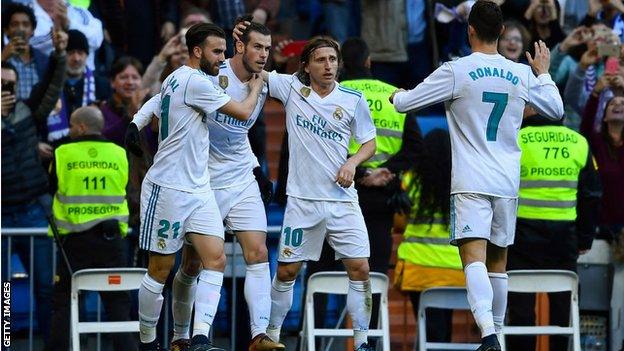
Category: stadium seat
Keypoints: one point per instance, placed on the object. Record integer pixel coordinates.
(337, 283)
(534, 281)
(453, 298)
(102, 279)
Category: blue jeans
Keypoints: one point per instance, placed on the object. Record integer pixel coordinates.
(32, 215)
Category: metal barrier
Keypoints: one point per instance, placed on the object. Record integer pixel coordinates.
(234, 256)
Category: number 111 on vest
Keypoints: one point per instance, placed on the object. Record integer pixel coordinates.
(91, 183)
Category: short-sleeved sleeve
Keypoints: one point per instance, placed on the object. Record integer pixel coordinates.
(144, 115)
(362, 127)
(202, 94)
(279, 85)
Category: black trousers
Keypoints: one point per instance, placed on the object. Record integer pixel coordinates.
(541, 245)
(90, 249)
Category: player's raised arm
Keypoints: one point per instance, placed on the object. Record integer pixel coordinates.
(438, 87)
(543, 93)
(243, 110)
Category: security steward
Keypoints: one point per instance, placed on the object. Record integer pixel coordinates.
(399, 144)
(91, 213)
(557, 216)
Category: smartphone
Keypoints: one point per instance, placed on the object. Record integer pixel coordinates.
(608, 50)
(294, 49)
(9, 86)
(22, 35)
(612, 65)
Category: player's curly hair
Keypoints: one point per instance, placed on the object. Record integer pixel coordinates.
(306, 55)
(432, 176)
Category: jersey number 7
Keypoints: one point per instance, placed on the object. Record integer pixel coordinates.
(500, 103)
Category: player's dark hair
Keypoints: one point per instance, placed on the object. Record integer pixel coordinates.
(122, 63)
(432, 177)
(354, 55)
(252, 27)
(487, 19)
(604, 131)
(306, 55)
(13, 8)
(196, 35)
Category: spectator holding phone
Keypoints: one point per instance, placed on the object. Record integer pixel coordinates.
(25, 199)
(19, 23)
(609, 12)
(543, 19)
(605, 133)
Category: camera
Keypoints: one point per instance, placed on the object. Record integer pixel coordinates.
(9, 86)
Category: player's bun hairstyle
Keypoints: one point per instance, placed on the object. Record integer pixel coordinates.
(354, 55)
(308, 49)
(487, 19)
(252, 27)
(196, 35)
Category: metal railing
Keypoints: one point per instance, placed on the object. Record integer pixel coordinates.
(234, 261)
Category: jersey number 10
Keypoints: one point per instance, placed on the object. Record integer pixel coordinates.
(500, 103)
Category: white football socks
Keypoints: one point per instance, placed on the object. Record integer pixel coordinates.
(281, 301)
(480, 296)
(206, 300)
(499, 302)
(258, 296)
(183, 294)
(359, 305)
(150, 304)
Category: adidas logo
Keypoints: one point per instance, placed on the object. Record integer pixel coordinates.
(466, 229)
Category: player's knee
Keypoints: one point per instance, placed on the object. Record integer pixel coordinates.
(216, 263)
(159, 271)
(358, 270)
(287, 273)
(257, 254)
(191, 267)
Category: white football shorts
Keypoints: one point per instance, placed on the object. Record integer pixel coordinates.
(242, 208)
(482, 216)
(168, 214)
(308, 222)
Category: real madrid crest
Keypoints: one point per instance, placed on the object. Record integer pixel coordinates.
(161, 244)
(338, 113)
(305, 91)
(223, 81)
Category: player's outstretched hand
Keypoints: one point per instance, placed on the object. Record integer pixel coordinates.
(345, 175)
(132, 140)
(541, 62)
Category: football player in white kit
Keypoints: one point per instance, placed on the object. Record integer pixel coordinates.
(321, 117)
(177, 203)
(485, 95)
(232, 165)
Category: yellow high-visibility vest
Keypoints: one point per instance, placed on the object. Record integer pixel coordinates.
(552, 158)
(92, 178)
(424, 243)
(388, 122)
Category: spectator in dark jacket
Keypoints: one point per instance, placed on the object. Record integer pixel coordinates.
(25, 198)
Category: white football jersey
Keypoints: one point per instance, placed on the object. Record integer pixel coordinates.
(319, 130)
(231, 160)
(187, 100)
(485, 96)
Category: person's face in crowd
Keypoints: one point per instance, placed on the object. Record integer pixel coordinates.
(510, 44)
(126, 82)
(192, 19)
(615, 110)
(545, 13)
(322, 66)
(20, 24)
(76, 62)
(211, 55)
(256, 52)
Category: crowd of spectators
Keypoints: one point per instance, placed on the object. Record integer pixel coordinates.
(114, 54)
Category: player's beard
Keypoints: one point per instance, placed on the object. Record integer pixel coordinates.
(208, 67)
(248, 66)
